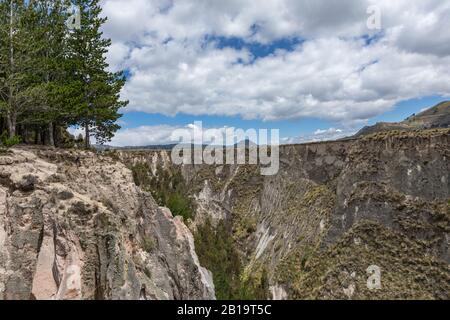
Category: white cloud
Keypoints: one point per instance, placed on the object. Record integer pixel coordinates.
(117, 55)
(143, 136)
(333, 75)
(320, 132)
(165, 134)
(321, 135)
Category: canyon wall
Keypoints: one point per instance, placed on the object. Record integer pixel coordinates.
(79, 225)
(333, 212)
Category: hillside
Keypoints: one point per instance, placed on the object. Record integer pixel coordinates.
(435, 117)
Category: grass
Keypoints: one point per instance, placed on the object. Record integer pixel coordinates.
(7, 142)
(408, 272)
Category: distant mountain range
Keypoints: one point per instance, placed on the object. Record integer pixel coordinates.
(153, 147)
(435, 117)
(248, 143)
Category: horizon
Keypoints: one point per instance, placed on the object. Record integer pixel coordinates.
(314, 138)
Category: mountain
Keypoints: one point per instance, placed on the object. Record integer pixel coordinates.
(435, 117)
(248, 143)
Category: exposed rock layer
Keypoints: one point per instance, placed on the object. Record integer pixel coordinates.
(75, 226)
(334, 210)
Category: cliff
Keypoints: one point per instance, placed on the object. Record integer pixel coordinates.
(74, 225)
(333, 210)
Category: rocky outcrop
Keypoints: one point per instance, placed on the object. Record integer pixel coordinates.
(74, 225)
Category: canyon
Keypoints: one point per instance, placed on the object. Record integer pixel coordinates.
(334, 210)
(130, 224)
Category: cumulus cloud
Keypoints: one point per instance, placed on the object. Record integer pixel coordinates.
(335, 73)
(321, 135)
(191, 133)
(197, 134)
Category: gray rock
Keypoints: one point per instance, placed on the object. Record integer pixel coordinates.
(90, 234)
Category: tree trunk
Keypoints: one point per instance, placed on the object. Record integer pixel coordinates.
(2, 124)
(43, 137)
(37, 136)
(24, 134)
(51, 137)
(87, 136)
(11, 117)
(11, 120)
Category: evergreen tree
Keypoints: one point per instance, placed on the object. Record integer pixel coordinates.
(52, 77)
(55, 108)
(100, 88)
(17, 65)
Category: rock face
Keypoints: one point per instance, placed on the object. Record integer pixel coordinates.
(335, 212)
(74, 225)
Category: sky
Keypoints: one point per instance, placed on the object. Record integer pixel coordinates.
(314, 69)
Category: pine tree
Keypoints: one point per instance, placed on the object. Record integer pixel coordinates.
(100, 88)
(51, 77)
(3, 64)
(51, 35)
(17, 65)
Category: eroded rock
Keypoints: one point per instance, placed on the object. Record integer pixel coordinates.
(90, 233)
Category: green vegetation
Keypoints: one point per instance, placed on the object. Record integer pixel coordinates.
(244, 226)
(404, 134)
(180, 205)
(167, 188)
(141, 175)
(217, 252)
(113, 154)
(254, 285)
(216, 246)
(53, 77)
(408, 271)
(7, 142)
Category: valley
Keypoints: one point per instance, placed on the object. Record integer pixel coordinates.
(334, 210)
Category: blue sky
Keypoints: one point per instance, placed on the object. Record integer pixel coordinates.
(288, 128)
(313, 69)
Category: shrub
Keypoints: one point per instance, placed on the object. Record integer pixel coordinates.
(8, 142)
(167, 188)
(141, 175)
(217, 251)
(180, 205)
